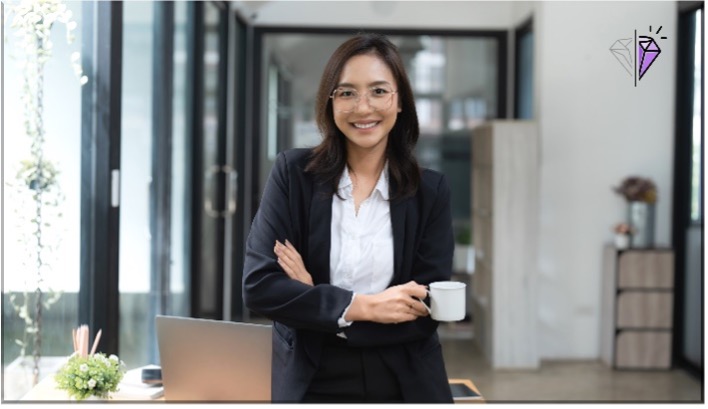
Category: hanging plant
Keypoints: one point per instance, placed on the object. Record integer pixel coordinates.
(36, 190)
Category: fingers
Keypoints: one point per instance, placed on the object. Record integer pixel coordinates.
(291, 262)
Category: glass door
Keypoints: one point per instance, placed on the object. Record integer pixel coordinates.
(211, 174)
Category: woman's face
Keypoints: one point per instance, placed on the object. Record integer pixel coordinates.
(366, 127)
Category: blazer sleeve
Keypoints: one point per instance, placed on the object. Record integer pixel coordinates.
(267, 289)
(432, 262)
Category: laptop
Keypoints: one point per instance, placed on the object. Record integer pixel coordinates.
(206, 360)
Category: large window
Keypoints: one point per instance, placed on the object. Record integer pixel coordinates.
(51, 227)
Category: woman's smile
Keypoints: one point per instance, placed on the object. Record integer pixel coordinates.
(365, 125)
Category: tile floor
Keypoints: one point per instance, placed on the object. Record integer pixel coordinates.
(574, 381)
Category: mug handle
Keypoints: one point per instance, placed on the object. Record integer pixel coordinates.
(423, 302)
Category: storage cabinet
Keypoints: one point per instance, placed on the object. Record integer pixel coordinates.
(505, 234)
(637, 308)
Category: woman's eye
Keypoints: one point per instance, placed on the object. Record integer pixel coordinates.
(346, 93)
(379, 91)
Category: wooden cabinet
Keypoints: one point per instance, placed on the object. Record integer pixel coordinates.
(637, 308)
(505, 211)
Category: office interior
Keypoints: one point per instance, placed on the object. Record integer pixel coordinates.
(158, 147)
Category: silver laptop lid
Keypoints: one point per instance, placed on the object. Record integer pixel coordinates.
(206, 360)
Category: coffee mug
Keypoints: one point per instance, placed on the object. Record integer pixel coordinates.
(447, 300)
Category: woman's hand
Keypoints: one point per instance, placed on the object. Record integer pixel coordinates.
(396, 304)
(291, 262)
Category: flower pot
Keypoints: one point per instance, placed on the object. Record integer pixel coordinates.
(463, 259)
(621, 241)
(640, 217)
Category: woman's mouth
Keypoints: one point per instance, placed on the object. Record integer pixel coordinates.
(365, 125)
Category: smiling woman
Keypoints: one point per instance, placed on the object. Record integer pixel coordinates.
(356, 202)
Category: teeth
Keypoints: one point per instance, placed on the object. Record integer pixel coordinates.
(365, 126)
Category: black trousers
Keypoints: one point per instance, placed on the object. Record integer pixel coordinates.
(352, 375)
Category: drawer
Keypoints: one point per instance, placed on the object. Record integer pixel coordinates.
(643, 350)
(646, 269)
(643, 309)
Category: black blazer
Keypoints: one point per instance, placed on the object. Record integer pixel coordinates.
(296, 208)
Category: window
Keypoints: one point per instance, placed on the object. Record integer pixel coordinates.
(58, 276)
(523, 107)
(697, 128)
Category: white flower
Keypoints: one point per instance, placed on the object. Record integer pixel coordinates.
(113, 358)
(91, 383)
(83, 368)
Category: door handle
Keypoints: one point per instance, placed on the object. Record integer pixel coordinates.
(231, 191)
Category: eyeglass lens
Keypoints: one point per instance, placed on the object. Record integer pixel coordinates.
(346, 99)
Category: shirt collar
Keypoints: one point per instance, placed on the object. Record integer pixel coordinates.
(345, 183)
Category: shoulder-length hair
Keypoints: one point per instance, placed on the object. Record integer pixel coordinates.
(330, 156)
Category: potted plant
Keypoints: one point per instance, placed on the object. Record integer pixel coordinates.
(89, 375)
(463, 258)
(641, 196)
(623, 232)
(35, 192)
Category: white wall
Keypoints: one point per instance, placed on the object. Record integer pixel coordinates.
(596, 128)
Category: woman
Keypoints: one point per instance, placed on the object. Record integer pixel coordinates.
(346, 237)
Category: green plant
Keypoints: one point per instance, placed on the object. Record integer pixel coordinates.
(93, 375)
(464, 236)
(36, 191)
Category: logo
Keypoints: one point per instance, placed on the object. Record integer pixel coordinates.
(636, 55)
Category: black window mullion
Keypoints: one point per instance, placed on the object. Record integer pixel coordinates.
(194, 125)
(223, 280)
(239, 140)
(100, 167)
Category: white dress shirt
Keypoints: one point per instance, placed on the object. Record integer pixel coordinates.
(361, 253)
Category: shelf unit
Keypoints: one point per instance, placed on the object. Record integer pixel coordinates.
(637, 308)
(505, 200)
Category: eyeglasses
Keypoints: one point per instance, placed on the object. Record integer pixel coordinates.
(345, 100)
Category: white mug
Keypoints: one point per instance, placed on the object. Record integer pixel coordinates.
(447, 300)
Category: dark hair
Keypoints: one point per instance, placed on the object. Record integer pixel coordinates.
(330, 156)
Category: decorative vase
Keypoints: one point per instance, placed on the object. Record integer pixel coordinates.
(621, 241)
(640, 216)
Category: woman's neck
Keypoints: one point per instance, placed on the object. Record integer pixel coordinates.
(366, 165)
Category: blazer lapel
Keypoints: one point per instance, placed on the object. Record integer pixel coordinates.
(319, 241)
(398, 224)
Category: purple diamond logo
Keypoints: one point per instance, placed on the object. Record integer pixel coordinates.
(647, 52)
(636, 55)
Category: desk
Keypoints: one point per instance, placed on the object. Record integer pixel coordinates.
(46, 391)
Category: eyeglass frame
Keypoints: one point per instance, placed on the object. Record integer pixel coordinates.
(358, 99)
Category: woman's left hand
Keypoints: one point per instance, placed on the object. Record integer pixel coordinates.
(291, 262)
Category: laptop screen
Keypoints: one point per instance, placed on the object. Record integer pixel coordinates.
(207, 360)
